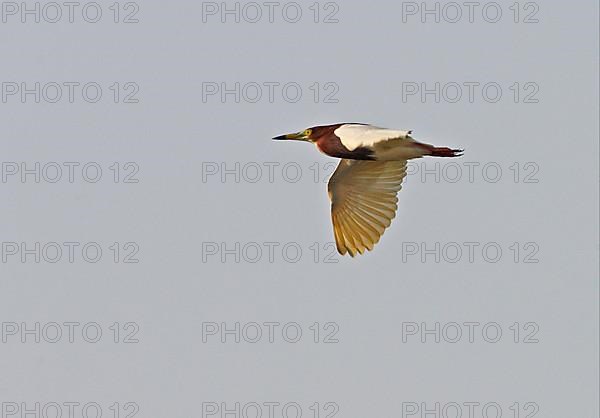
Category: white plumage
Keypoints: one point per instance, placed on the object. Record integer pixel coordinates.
(354, 136)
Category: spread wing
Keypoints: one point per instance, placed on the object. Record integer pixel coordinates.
(364, 200)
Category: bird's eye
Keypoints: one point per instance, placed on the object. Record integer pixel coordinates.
(308, 132)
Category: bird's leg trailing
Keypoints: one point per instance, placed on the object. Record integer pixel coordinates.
(446, 152)
(440, 151)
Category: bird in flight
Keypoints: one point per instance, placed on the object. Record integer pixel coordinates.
(363, 189)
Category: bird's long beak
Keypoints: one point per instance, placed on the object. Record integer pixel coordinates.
(297, 136)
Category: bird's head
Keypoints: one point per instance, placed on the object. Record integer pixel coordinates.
(305, 135)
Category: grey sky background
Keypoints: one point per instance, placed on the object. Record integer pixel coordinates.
(172, 135)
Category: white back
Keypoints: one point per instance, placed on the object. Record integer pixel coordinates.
(354, 136)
